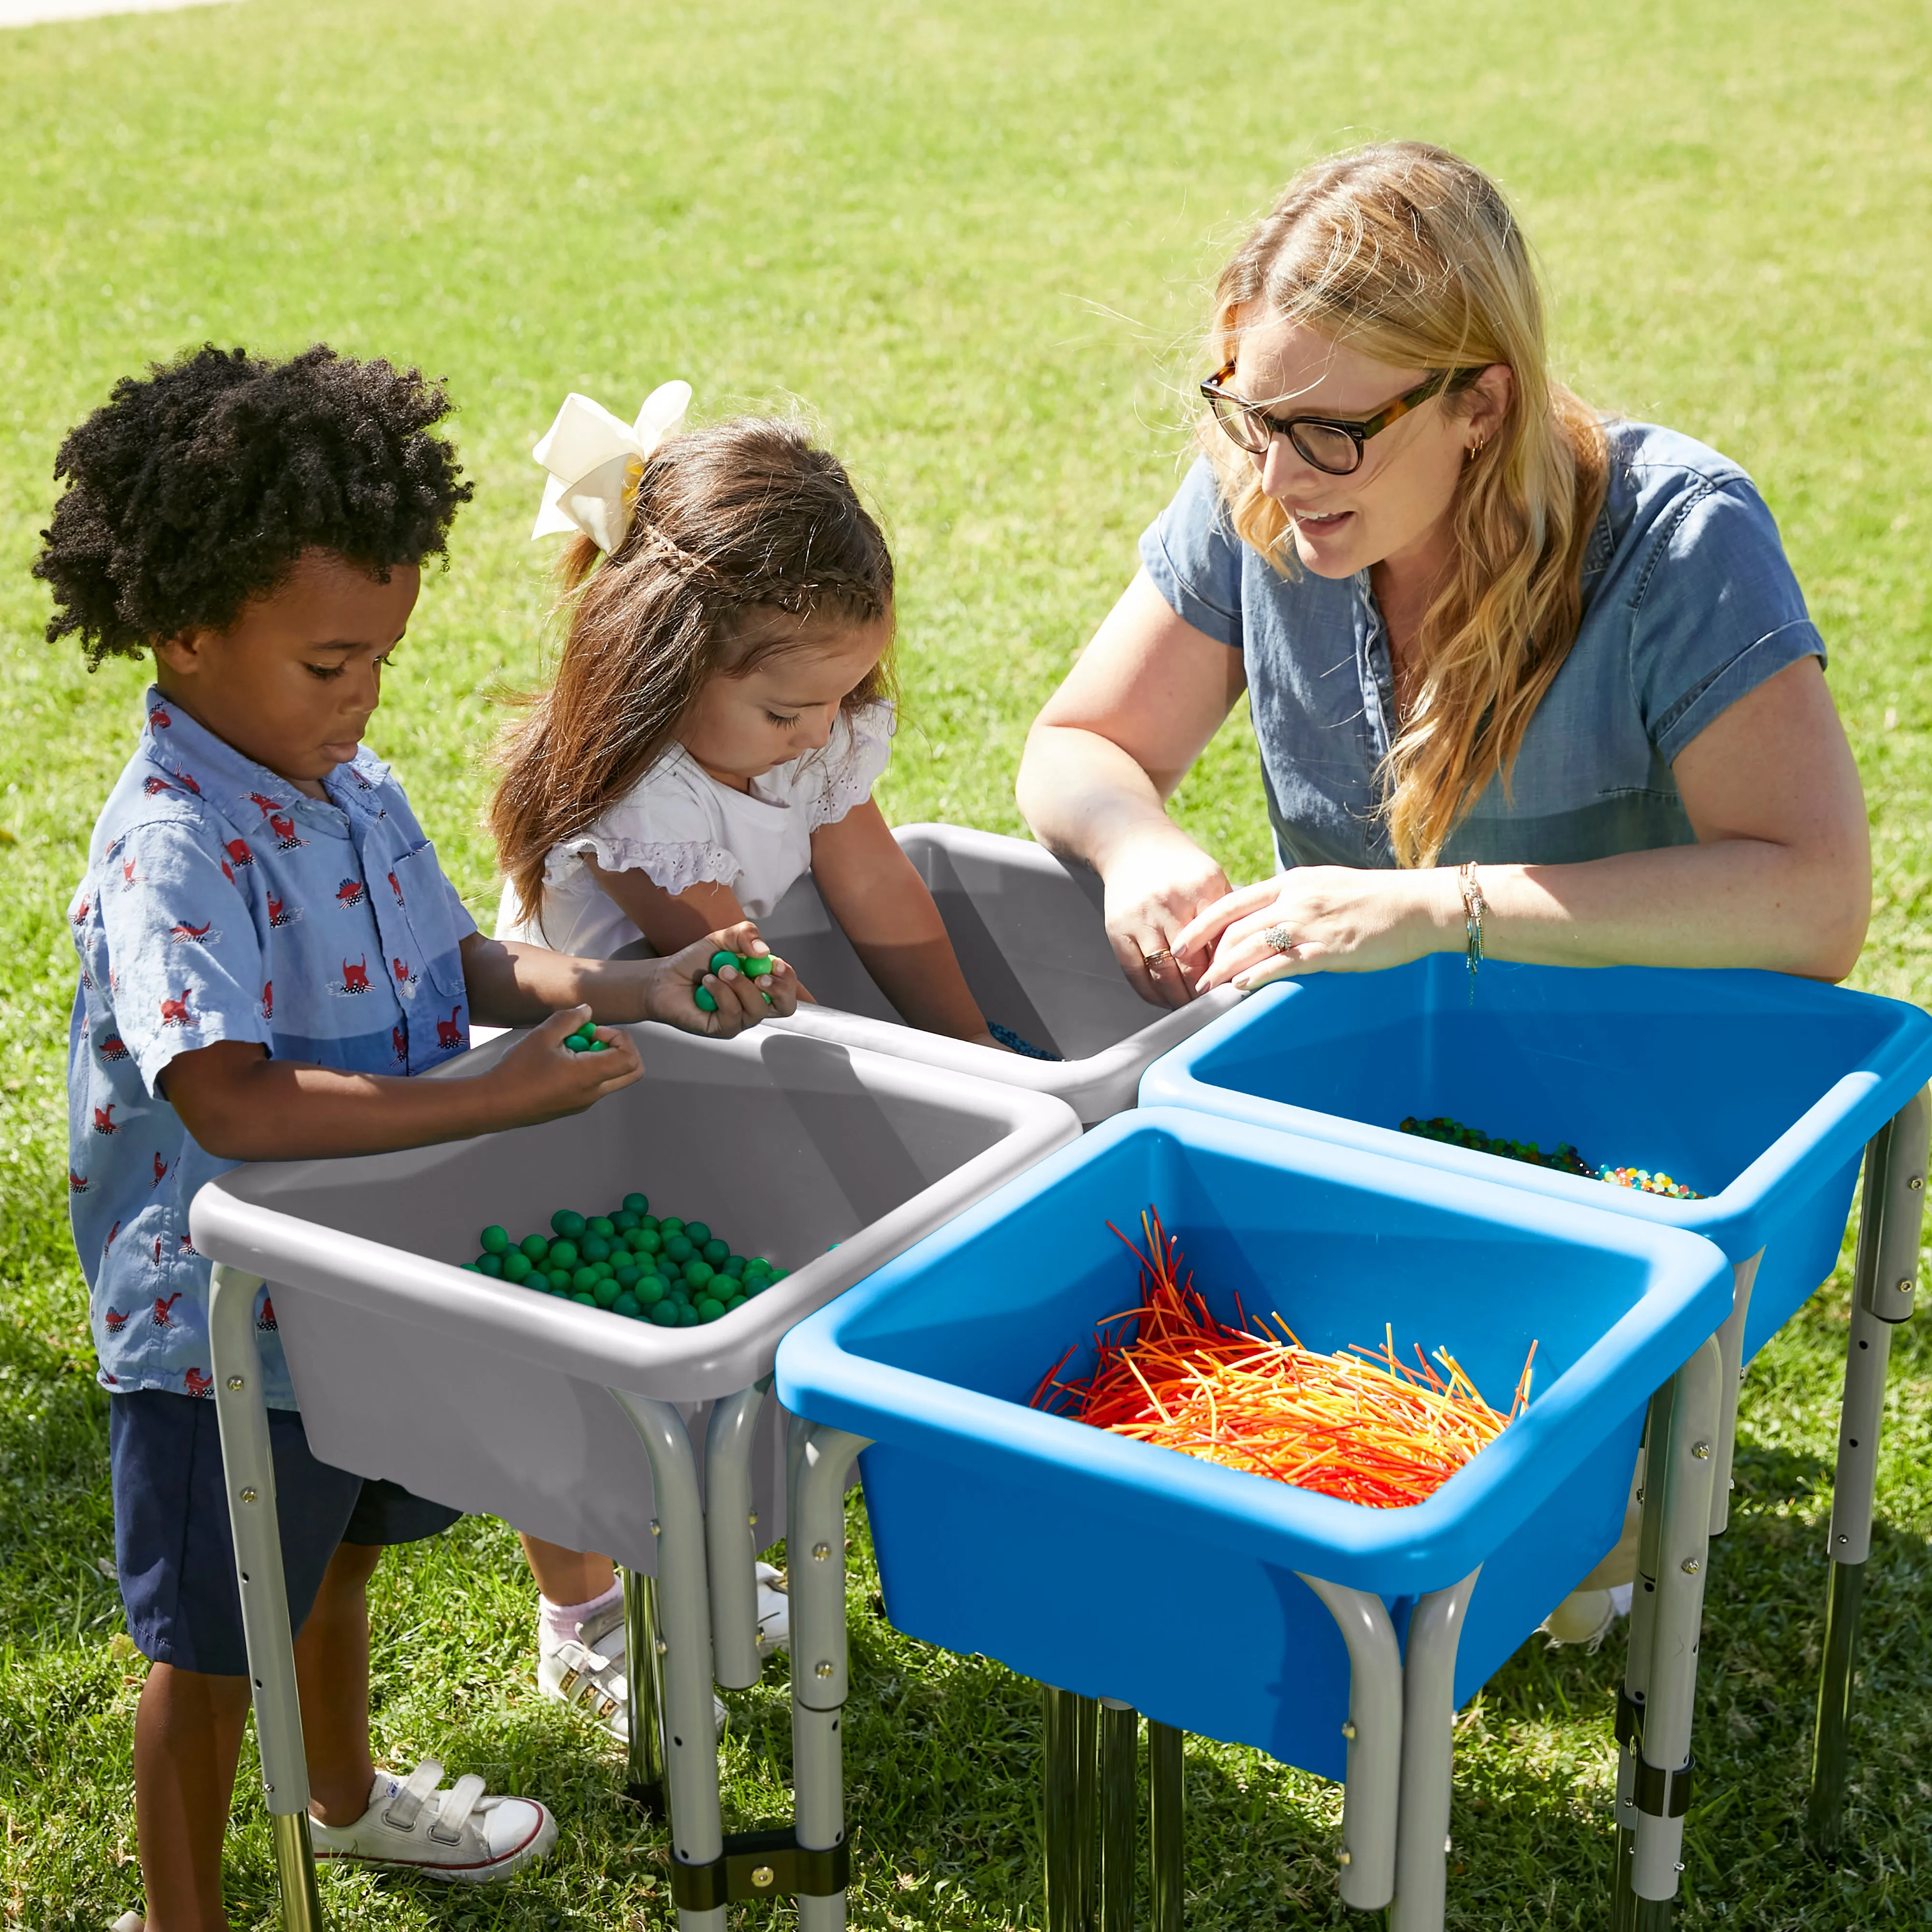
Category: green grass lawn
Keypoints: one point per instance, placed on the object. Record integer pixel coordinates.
(971, 240)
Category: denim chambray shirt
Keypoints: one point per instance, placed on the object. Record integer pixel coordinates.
(1689, 605)
(221, 903)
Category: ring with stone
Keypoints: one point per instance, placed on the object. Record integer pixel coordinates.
(1279, 939)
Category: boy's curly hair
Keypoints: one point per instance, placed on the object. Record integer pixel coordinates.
(196, 487)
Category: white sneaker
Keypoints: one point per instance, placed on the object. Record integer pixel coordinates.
(588, 1671)
(459, 1834)
(774, 1611)
(1587, 1616)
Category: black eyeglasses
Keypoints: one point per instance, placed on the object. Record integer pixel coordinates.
(1331, 443)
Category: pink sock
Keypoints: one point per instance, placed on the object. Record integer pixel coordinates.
(558, 1621)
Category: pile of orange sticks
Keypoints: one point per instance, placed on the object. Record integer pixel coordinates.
(1361, 1425)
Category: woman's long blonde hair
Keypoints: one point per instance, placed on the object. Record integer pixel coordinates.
(741, 534)
(1411, 255)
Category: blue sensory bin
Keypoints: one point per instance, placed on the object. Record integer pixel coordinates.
(1114, 1568)
(1758, 1090)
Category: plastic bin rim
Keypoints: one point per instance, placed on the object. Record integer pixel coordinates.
(229, 1222)
(1735, 1217)
(1392, 1551)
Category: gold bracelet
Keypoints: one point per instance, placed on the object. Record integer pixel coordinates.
(1474, 906)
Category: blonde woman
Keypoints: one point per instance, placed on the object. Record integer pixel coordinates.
(1477, 622)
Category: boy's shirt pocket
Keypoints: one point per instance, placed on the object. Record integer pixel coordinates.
(423, 925)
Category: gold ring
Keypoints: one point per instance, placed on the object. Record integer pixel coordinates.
(1155, 958)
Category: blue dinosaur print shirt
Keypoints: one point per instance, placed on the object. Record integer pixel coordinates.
(221, 903)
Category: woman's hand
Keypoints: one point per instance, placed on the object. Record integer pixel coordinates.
(1333, 919)
(1106, 755)
(670, 985)
(1158, 885)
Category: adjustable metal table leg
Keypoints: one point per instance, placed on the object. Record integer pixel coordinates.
(1679, 1465)
(248, 1473)
(644, 1765)
(820, 1675)
(1167, 1830)
(691, 1731)
(1885, 1284)
(1428, 1755)
(1118, 1775)
(1371, 1789)
(731, 1547)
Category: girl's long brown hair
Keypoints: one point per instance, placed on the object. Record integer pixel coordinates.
(1410, 255)
(740, 534)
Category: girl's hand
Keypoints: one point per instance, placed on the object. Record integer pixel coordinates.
(1155, 887)
(670, 985)
(540, 1079)
(1335, 919)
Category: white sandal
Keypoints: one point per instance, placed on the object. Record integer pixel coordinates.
(460, 1834)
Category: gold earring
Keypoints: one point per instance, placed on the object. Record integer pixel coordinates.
(1477, 448)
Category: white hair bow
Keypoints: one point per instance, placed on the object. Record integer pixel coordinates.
(594, 462)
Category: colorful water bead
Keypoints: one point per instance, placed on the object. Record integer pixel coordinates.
(1565, 1160)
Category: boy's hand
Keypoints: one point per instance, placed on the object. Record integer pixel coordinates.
(670, 985)
(540, 1079)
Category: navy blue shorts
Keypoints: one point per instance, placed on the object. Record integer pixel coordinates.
(172, 1546)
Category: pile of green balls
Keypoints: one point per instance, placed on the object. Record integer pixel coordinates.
(676, 1273)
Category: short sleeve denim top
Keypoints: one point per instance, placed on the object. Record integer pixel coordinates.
(1690, 603)
(221, 903)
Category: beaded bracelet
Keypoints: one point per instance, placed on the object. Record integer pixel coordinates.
(1474, 907)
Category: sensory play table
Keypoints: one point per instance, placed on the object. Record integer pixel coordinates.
(589, 1429)
(1031, 940)
(1761, 1091)
(1344, 1637)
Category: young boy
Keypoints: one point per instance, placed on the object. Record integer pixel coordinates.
(268, 949)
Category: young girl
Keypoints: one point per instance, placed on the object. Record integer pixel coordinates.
(721, 711)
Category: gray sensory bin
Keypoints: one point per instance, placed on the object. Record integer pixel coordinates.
(594, 1428)
(492, 1397)
(1030, 937)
